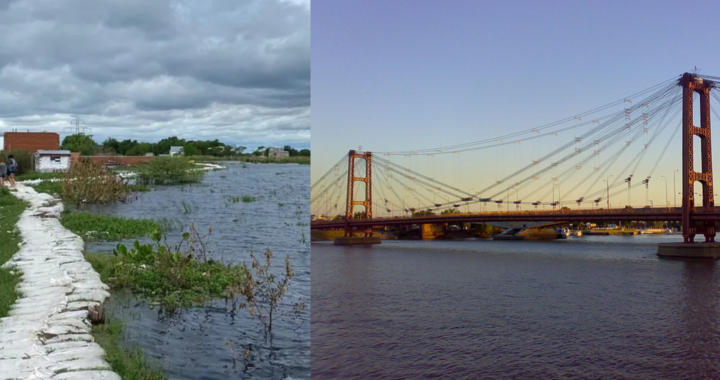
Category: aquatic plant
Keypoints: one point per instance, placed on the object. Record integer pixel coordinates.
(169, 171)
(248, 198)
(106, 227)
(92, 183)
(175, 276)
(263, 294)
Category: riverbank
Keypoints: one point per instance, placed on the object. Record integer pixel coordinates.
(47, 332)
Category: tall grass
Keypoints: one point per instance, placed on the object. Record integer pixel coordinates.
(169, 171)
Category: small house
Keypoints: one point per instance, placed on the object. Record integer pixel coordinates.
(278, 152)
(176, 150)
(52, 160)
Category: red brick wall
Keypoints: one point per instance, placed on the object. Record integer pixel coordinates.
(122, 160)
(32, 141)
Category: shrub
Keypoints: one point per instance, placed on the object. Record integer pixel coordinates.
(88, 182)
(169, 171)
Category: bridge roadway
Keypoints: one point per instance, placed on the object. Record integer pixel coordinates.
(599, 215)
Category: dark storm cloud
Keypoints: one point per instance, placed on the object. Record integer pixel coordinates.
(160, 67)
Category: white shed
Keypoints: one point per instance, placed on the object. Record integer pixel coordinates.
(52, 160)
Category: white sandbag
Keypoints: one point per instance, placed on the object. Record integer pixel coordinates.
(46, 334)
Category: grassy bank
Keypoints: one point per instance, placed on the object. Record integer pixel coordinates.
(10, 210)
(93, 227)
(38, 175)
(129, 363)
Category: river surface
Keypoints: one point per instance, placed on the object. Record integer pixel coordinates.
(213, 342)
(592, 307)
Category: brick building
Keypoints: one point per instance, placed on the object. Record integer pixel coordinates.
(32, 141)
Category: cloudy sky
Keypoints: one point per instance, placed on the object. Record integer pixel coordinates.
(236, 70)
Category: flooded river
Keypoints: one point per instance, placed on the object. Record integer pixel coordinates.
(212, 342)
(583, 308)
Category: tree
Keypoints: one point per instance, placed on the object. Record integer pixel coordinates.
(126, 146)
(191, 150)
(112, 143)
(259, 151)
(140, 149)
(163, 146)
(304, 153)
(449, 211)
(79, 143)
(292, 152)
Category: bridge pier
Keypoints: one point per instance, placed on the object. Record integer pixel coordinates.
(431, 231)
(708, 250)
(357, 240)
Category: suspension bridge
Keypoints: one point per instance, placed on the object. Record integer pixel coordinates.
(607, 153)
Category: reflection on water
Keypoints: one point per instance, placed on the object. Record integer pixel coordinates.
(589, 307)
(212, 342)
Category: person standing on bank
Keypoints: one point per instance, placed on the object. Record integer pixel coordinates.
(12, 169)
(3, 172)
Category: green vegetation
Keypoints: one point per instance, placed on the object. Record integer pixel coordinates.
(79, 142)
(50, 187)
(212, 148)
(10, 210)
(38, 175)
(105, 227)
(248, 198)
(177, 276)
(169, 171)
(130, 364)
(182, 275)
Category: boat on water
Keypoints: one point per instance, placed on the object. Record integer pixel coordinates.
(577, 233)
(562, 233)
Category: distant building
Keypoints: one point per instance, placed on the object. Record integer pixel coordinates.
(52, 160)
(31, 141)
(278, 152)
(176, 150)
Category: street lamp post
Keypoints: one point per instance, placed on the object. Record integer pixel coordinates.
(667, 204)
(674, 189)
(607, 189)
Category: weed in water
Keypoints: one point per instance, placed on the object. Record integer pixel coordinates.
(105, 227)
(175, 276)
(248, 198)
(263, 294)
(169, 171)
